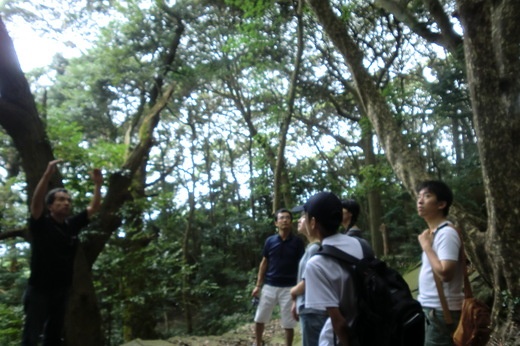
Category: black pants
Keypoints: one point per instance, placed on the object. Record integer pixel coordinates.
(44, 313)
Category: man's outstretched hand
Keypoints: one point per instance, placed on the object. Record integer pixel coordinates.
(97, 176)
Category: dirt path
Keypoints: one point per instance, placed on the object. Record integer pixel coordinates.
(243, 336)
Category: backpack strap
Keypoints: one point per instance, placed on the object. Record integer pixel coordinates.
(332, 251)
(367, 249)
(345, 258)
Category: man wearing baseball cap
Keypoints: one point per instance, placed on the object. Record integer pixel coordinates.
(328, 286)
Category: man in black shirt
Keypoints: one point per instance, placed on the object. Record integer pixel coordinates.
(54, 242)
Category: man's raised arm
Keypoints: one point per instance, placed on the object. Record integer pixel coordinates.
(95, 203)
(38, 198)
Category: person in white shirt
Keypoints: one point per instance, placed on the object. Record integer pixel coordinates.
(328, 286)
(311, 320)
(441, 247)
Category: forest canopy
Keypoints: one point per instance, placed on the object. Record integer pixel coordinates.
(206, 116)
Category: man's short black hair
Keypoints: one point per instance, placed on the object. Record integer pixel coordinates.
(353, 207)
(51, 195)
(282, 210)
(326, 208)
(440, 189)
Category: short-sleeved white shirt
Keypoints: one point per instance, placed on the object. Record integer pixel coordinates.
(446, 244)
(311, 249)
(326, 283)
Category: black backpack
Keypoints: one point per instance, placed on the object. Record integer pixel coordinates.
(388, 315)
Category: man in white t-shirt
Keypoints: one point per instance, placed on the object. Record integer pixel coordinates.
(441, 247)
(328, 285)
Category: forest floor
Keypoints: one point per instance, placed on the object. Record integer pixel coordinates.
(242, 336)
(245, 335)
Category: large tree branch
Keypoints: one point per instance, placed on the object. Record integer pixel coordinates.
(447, 37)
(134, 167)
(119, 182)
(406, 163)
(15, 233)
(451, 40)
(13, 85)
(19, 116)
(169, 56)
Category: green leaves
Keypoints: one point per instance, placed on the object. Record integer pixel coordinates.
(252, 8)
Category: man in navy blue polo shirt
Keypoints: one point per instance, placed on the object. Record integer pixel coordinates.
(277, 273)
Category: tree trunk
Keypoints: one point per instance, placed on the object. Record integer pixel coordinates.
(282, 187)
(138, 319)
(189, 259)
(83, 321)
(270, 154)
(492, 48)
(19, 116)
(84, 311)
(374, 197)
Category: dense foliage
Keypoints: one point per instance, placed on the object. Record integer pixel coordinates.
(185, 256)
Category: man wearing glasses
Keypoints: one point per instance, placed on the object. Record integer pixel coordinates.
(276, 275)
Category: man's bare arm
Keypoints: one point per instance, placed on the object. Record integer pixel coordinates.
(38, 199)
(339, 324)
(95, 203)
(260, 277)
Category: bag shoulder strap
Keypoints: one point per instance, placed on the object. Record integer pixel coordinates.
(468, 292)
(367, 249)
(467, 286)
(442, 298)
(343, 258)
(440, 290)
(332, 251)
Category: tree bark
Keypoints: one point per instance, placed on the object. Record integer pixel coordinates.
(373, 197)
(19, 116)
(83, 307)
(190, 258)
(492, 48)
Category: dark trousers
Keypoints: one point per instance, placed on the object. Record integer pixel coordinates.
(44, 313)
(438, 332)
